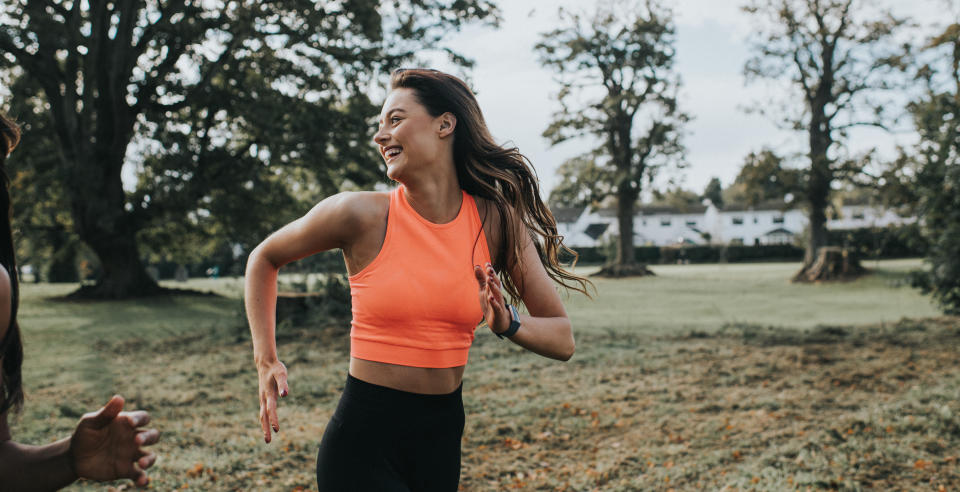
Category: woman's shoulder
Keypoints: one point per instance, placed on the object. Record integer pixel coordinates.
(364, 206)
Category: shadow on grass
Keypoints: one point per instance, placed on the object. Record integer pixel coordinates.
(81, 295)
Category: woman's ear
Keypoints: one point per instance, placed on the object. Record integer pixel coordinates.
(448, 123)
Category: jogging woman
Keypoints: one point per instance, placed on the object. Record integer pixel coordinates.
(106, 445)
(427, 262)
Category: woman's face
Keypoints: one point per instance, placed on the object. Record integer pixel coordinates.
(408, 137)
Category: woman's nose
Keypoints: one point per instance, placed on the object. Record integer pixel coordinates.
(381, 137)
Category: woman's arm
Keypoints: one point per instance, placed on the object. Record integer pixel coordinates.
(106, 445)
(332, 223)
(30, 468)
(547, 330)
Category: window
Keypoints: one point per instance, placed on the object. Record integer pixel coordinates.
(665, 222)
(778, 220)
(756, 220)
(692, 223)
(738, 221)
(737, 241)
(858, 216)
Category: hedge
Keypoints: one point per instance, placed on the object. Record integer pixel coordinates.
(867, 243)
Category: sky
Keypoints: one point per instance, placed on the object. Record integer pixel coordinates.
(517, 95)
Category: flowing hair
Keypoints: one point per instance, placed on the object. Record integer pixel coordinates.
(11, 347)
(497, 173)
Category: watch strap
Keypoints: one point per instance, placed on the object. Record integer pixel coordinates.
(514, 323)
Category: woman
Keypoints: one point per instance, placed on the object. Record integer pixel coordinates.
(422, 263)
(106, 445)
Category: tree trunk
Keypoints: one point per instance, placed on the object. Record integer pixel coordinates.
(124, 276)
(625, 264)
(97, 201)
(625, 253)
(821, 174)
(832, 264)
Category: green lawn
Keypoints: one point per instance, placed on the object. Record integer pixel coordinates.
(704, 297)
(703, 377)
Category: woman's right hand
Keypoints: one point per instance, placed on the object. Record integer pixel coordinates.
(273, 385)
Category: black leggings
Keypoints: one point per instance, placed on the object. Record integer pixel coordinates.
(382, 439)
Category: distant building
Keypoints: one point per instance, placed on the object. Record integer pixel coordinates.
(768, 223)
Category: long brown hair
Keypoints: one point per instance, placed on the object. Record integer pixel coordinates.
(11, 347)
(499, 174)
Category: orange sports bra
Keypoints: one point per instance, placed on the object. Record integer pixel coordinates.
(417, 303)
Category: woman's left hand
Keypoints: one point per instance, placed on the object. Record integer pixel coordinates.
(495, 310)
(109, 444)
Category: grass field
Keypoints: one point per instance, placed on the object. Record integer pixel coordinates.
(718, 377)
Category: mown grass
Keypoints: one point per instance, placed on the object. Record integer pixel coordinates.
(705, 377)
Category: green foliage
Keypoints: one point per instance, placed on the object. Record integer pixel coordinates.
(583, 182)
(714, 192)
(764, 178)
(675, 197)
(235, 117)
(866, 243)
(695, 254)
(617, 85)
(927, 177)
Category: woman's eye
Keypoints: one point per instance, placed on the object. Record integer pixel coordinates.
(394, 119)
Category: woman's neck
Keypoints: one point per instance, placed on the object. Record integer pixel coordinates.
(436, 198)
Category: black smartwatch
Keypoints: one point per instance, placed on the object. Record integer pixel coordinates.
(514, 323)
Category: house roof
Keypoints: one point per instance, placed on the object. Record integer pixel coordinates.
(596, 230)
(567, 214)
(767, 205)
(656, 210)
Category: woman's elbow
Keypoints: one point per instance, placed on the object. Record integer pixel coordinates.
(569, 346)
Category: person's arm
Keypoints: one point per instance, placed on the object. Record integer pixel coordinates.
(332, 223)
(547, 329)
(106, 445)
(29, 468)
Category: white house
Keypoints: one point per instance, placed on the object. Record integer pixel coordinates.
(768, 223)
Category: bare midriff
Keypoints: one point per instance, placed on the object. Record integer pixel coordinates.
(423, 380)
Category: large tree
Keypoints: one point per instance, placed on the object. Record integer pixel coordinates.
(925, 179)
(615, 67)
(837, 62)
(213, 108)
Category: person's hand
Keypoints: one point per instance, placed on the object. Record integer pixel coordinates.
(273, 385)
(495, 310)
(108, 444)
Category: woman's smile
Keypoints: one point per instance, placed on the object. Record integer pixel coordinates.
(391, 152)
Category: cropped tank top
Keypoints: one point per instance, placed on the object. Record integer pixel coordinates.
(417, 303)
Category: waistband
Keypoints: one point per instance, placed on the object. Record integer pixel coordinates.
(358, 389)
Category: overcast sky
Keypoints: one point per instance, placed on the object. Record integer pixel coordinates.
(516, 94)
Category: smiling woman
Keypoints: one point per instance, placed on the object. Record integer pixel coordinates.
(423, 262)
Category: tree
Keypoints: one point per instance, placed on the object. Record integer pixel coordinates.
(615, 68)
(714, 192)
(926, 178)
(219, 106)
(676, 197)
(582, 183)
(41, 216)
(765, 178)
(837, 62)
